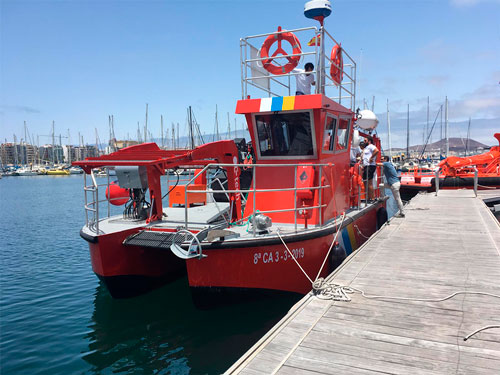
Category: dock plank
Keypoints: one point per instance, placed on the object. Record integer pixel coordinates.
(446, 243)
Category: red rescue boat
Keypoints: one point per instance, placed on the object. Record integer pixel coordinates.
(481, 171)
(272, 215)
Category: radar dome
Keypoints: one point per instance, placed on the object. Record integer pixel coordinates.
(367, 120)
(317, 8)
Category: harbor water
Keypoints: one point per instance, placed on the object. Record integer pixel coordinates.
(56, 318)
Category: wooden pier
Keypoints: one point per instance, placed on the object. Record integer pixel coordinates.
(447, 243)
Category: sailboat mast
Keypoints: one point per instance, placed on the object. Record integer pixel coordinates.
(408, 133)
(446, 126)
(441, 133)
(146, 125)
(427, 124)
(217, 136)
(190, 122)
(161, 129)
(468, 137)
(389, 129)
(53, 145)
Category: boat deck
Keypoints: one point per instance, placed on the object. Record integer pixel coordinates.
(446, 243)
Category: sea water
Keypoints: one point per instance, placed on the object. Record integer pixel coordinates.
(56, 318)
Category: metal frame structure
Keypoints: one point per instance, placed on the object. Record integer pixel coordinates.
(254, 190)
(280, 85)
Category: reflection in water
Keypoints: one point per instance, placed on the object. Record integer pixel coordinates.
(163, 332)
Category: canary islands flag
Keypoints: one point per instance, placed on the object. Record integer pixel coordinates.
(315, 41)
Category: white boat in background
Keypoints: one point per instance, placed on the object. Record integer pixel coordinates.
(25, 171)
(75, 170)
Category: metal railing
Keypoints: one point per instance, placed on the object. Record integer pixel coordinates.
(476, 179)
(255, 77)
(377, 184)
(92, 205)
(254, 190)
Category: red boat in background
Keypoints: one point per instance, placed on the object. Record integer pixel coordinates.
(273, 215)
(458, 173)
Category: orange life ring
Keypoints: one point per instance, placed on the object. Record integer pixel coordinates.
(293, 61)
(337, 66)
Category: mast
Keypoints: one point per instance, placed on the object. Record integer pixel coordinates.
(69, 148)
(173, 136)
(16, 156)
(441, 133)
(23, 149)
(53, 145)
(139, 140)
(446, 126)
(468, 137)
(389, 130)
(146, 125)
(178, 137)
(427, 127)
(235, 129)
(228, 127)
(408, 133)
(190, 123)
(161, 130)
(217, 137)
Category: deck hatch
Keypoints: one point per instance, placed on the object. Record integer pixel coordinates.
(159, 240)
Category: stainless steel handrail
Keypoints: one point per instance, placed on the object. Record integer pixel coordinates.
(275, 84)
(254, 189)
(475, 179)
(436, 180)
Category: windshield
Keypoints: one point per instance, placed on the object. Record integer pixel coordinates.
(285, 134)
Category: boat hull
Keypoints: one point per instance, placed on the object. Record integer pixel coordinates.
(128, 271)
(267, 265)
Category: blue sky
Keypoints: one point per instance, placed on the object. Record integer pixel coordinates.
(76, 62)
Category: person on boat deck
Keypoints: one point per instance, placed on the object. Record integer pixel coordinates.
(356, 153)
(392, 182)
(304, 80)
(369, 165)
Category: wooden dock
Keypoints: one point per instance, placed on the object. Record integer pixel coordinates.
(446, 243)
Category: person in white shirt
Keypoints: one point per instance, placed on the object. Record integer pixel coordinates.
(304, 80)
(369, 165)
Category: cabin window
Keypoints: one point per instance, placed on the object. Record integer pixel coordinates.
(343, 134)
(329, 135)
(285, 134)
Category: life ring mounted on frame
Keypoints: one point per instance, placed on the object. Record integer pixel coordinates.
(293, 61)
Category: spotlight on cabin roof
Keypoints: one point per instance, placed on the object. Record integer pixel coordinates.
(317, 9)
(367, 120)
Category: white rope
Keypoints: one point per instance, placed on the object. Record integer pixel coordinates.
(287, 249)
(487, 187)
(424, 299)
(479, 330)
(359, 231)
(331, 291)
(331, 246)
